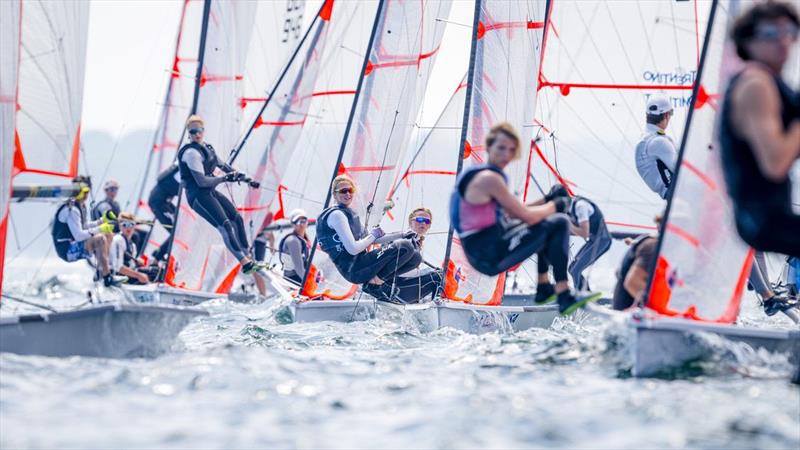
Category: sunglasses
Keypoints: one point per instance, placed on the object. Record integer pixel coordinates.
(345, 191)
(127, 224)
(302, 221)
(776, 33)
(420, 219)
(112, 188)
(196, 130)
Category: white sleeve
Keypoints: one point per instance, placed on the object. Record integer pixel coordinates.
(116, 254)
(662, 148)
(338, 221)
(583, 211)
(193, 159)
(75, 225)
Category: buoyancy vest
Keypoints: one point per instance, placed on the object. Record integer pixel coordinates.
(304, 248)
(467, 217)
(596, 220)
(61, 234)
(327, 238)
(210, 163)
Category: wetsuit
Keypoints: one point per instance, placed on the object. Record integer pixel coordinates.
(655, 159)
(160, 202)
(197, 163)
(641, 254)
(581, 210)
(349, 252)
(493, 244)
(103, 207)
(762, 207)
(70, 231)
(295, 248)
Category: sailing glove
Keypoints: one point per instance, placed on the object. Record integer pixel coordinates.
(377, 232)
(562, 204)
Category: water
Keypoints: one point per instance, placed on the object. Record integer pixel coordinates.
(240, 379)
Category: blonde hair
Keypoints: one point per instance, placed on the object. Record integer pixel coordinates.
(420, 209)
(508, 130)
(194, 118)
(345, 179)
(127, 216)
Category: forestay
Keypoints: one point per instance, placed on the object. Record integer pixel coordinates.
(703, 265)
(406, 41)
(507, 45)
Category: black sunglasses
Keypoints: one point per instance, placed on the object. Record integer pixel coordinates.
(196, 130)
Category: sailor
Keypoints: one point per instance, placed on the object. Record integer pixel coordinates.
(759, 131)
(161, 202)
(424, 280)
(498, 232)
(587, 222)
(74, 238)
(759, 281)
(197, 163)
(655, 153)
(294, 247)
(341, 235)
(122, 254)
(633, 273)
(109, 203)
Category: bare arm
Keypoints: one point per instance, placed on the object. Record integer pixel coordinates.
(757, 115)
(489, 185)
(636, 282)
(581, 230)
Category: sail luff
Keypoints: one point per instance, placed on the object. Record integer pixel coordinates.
(464, 125)
(348, 127)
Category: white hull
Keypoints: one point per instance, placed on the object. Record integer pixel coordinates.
(161, 294)
(107, 331)
(333, 310)
(662, 343)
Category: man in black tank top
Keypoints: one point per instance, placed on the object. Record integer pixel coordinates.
(760, 130)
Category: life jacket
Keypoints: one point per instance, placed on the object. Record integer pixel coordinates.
(327, 238)
(129, 258)
(112, 205)
(596, 220)
(654, 171)
(621, 295)
(303, 248)
(210, 163)
(460, 209)
(167, 183)
(61, 234)
(746, 184)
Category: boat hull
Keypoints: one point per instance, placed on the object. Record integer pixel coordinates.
(107, 331)
(159, 294)
(486, 319)
(333, 310)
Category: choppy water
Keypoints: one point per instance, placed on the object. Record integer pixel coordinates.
(240, 379)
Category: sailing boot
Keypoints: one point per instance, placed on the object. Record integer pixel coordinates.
(545, 293)
(253, 267)
(776, 304)
(383, 292)
(568, 303)
(113, 280)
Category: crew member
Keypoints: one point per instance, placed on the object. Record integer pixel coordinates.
(424, 280)
(482, 209)
(587, 221)
(655, 153)
(161, 203)
(294, 247)
(341, 235)
(109, 203)
(76, 239)
(122, 254)
(759, 130)
(197, 163)
(633, 274)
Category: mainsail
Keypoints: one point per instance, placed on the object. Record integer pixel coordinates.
(41, 91)
(703, 265)
(507, 41)
(405, 40)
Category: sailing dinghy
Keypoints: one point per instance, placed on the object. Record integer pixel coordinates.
(41, 93)
(698, 280)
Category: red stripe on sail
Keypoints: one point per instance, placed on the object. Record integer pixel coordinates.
(482, 29)
(552, 169)
(685, 235)
(399, 62)
(369, 168)
(732, 311)
(631, 225)
(703, 177)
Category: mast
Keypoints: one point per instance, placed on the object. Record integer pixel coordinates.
(238, 149)
(339, 158)
(681, 152)
(200, 57)
(464, 125)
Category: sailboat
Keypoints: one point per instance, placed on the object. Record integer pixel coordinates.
(697, 283)
(222, 63)
(41, 93)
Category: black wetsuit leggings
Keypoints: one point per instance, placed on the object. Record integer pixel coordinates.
(494, 250)
(217, 210)
(769, 229)
(386, 262)
(164, 210)
(592, 250)
(414, 289)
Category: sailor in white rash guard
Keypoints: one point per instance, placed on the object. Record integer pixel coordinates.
(656, 155)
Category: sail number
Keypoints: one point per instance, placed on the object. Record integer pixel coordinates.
(293, 20)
